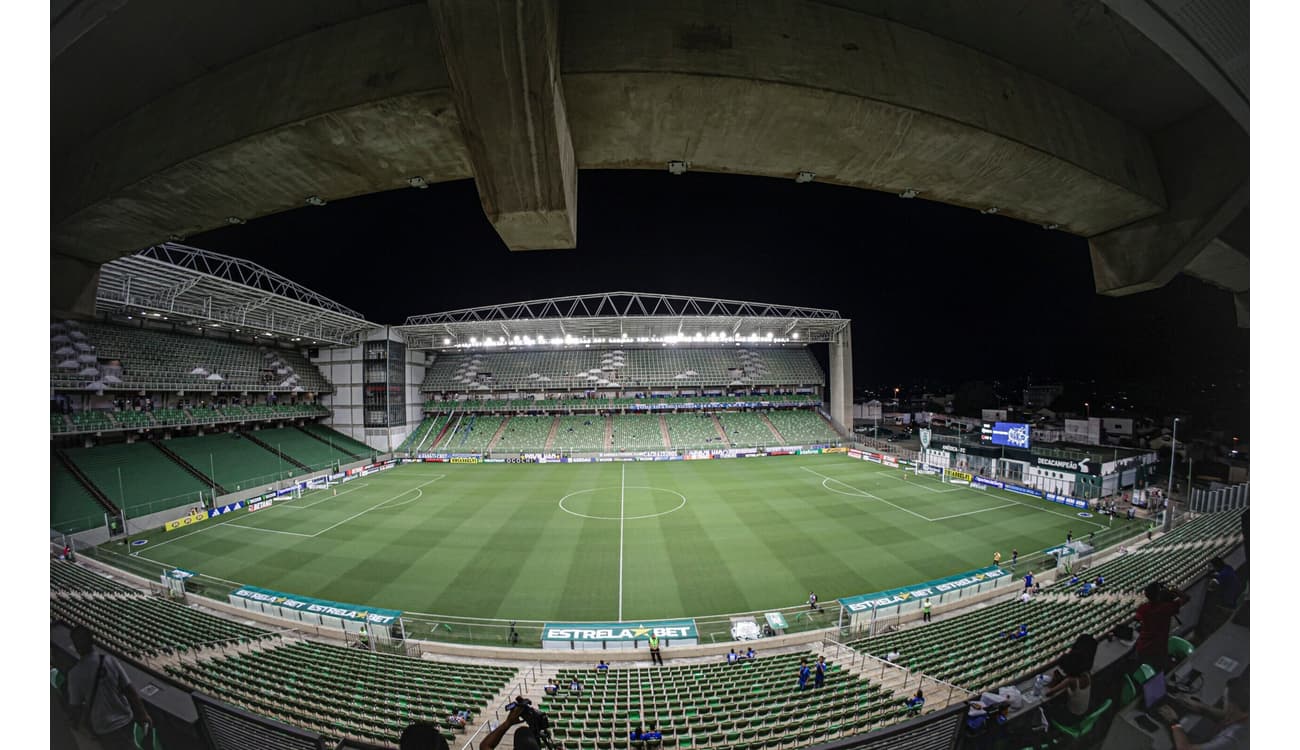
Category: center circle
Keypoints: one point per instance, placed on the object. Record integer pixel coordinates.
(614, 498)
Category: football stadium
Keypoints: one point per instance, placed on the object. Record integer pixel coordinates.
(617, 520)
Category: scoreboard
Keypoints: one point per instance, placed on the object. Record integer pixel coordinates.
(1010, 434)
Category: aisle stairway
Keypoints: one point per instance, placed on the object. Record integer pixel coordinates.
(721, 432)
(187, 466)
(776, 434)
(250, 437)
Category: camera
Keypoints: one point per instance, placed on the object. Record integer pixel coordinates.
(537, 721)
(1159, 591)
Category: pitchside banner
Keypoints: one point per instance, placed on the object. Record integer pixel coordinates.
(618, 635)
(866, 602)
(291, 606)
(192, 518)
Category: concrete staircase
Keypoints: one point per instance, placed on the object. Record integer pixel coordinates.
(609, 433)
(497, 435)
(721, 432)
(775, 433)
(528, 684)
(550, 436)
(663, 430)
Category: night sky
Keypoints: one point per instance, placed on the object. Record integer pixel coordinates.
(938, 295)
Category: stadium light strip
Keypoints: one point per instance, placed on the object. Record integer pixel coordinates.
(489, 341)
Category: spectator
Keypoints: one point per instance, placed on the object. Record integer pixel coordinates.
(819, 676)
(916, 702)
(1029, 580)
(1222, 599)
(1077, 688)
(1226, 585)
(1024, 597)
(1233, 720)
(602, 666)
(636, 738)
(1153, 616)
(101, 695)
(551, 688)
(804, 671)
(653, 738)
(925, 609)
(750, 654)
(459, 719)
(575, 686)
(422, 736)
(1086, 590)
(893, 656)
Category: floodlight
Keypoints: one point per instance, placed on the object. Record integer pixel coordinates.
(805, 176)
(909, 193)
(315, 200)
(989, 210)
(417, 182)
(235, 220)
(677, 167)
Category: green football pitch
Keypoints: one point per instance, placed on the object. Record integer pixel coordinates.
(615, 541)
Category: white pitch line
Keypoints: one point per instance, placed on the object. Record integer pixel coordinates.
(622, 483)
(973, 512)
(921, 483)
(864, 493)
(286, 506)
(269, 531)
(186, 536)
(1053, 512)
(367, 510)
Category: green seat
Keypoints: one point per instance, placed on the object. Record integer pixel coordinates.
(1179, 648)
(1143, 673)
(1127, 692)
(1085, 725)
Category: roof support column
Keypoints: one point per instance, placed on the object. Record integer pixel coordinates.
(841, 381)
(503, 60)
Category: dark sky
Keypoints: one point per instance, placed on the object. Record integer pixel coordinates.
(936, 293)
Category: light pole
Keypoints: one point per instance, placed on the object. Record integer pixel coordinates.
(1173, 444)
(1088, 406)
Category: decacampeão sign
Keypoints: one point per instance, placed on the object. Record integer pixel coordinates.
(306, 604)
(866, 602)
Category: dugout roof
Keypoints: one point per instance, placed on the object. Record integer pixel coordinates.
(622, 318)
(188, 285)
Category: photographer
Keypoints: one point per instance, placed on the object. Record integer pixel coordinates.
(1153, 617)
(530, 737)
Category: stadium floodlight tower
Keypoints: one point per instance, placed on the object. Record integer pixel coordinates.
(617, 321)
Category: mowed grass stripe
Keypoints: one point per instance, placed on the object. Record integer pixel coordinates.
(491, 541)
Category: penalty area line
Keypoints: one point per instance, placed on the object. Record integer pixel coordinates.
(864, 493)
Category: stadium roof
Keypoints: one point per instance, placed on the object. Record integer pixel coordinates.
(622, 318)
(186, 284)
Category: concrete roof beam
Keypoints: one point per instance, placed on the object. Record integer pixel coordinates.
(503, 59)
(1205, 161)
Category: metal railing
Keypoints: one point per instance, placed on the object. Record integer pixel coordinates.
(860, 659)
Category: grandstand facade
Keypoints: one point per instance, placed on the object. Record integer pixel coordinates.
(628, 372)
